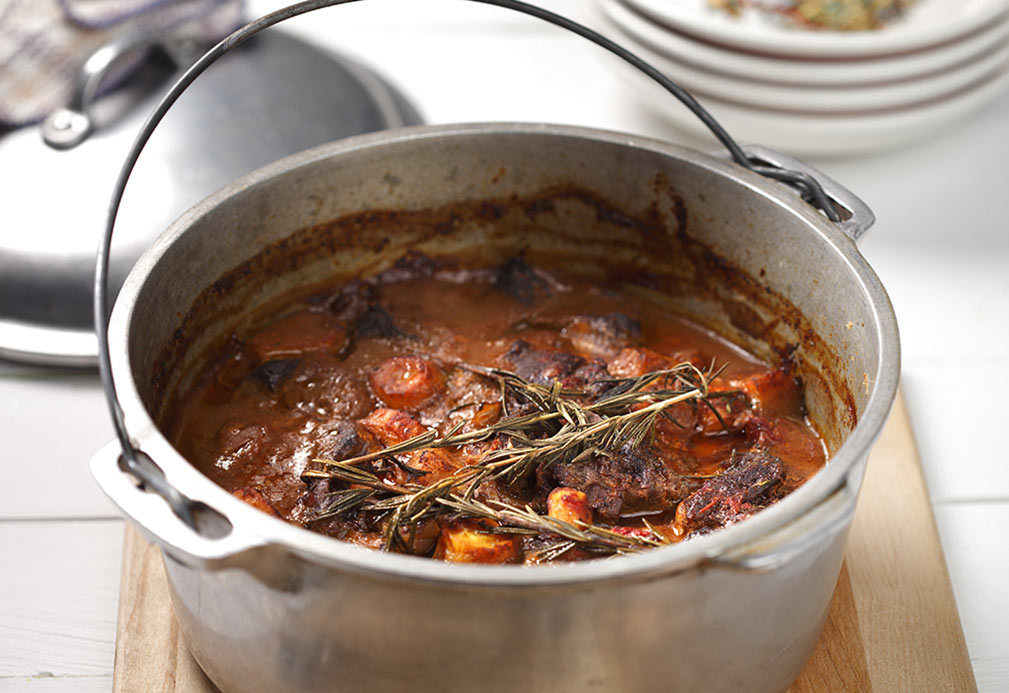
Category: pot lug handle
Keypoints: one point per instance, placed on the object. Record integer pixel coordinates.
(834, 514)
(856, 217)
(212, 542)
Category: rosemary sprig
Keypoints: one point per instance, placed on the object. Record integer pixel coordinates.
(567, 426)
(553, 403)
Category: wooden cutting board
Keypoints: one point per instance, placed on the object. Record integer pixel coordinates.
(892, 626)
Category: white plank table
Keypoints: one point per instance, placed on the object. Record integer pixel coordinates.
(941, 247)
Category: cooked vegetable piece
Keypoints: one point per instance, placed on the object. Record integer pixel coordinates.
(407, 382)
(391, 426)
(256, 499)
(474, 541)
(569, 505)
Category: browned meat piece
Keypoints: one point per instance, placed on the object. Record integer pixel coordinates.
(636, 361)
(337, 440)
(375, 321)
(539, 365)
(773, 393)
(746, 486)
(297, 334)
(271, 373)
(254, 498)
(352, 300)
(520, 281)
(602, 336)
(407, 382)
(322, 387)
(413, 265)
(635, 480)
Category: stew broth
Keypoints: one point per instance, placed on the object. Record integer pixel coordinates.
(372, 364)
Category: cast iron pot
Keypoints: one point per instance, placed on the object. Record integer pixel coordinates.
(265, 605)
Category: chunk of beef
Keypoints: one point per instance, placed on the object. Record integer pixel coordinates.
(337, 441)
(539, 365)
(375, 321)
(772, 392)
(412, 265)
(521, 281)
(602, 336)
(632, 481)
(297, 334)
(746, 486)
(633, 362)
(272, 372)
(323, 387)
(351, 302)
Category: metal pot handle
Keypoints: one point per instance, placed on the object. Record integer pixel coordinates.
(132, 461)
(212, 541)
(856, 217)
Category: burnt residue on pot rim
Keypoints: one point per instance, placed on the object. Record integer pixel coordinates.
(734, 299)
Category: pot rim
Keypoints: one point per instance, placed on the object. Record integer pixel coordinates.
(679, 557)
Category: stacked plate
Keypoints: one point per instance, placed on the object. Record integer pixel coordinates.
(817, 91)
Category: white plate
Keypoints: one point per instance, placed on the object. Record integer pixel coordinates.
(834, 136)
(697, 54)
(827, 100)
(928, 23)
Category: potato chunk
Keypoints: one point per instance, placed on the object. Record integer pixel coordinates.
(407, 382)
(569, 505)
(469, 541)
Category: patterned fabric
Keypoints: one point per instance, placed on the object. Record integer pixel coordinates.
(43, 43)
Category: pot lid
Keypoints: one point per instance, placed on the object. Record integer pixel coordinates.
(268, 99)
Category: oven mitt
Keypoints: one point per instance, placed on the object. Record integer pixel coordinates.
(43, 43)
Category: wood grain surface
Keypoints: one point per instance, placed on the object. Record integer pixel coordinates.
(892, 625)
